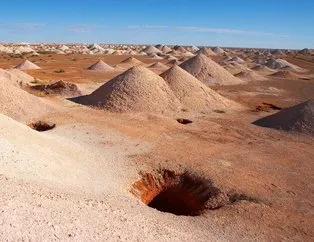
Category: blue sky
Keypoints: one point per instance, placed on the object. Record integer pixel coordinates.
(238, 23)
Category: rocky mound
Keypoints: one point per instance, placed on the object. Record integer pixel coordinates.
(136, 90)
(27, 65)
(250, 76)
(59, 88)
(285, 74)
(299, 118)
(101, 66)
(193, 93)
(208, 71)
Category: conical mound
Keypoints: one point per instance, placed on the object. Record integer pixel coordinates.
(285, 74)
(206, 51)
(27, 65)
(208, 71)
(193, 93)
(100, 66)
(218, 50)
(261, 68)
(131, 61)
(249, 76)
(158, 65)
(166, 49)
(136, 90)
(151, 49)
(298, 118)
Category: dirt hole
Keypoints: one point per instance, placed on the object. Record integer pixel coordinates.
(266, 107)
(41, 126)
(180, 194)
(184, 121)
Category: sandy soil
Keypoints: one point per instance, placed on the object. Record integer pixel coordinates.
(73, 182)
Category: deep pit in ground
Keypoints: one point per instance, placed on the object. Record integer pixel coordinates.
(41, 126)
(184, 121)
(180, 194)
(184, 193)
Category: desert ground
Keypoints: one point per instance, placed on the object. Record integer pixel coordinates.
(156, 143)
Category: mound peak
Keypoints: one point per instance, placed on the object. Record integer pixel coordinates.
(27, 65)
(100, 66)
(249, 75)
(298, 118)
(131, 61)
(137, 90)
(193, 93)
(206, 51)
(208, 71)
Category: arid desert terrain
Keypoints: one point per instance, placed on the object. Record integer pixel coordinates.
(156, 143)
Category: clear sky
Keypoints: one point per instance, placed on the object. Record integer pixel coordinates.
(238, 23)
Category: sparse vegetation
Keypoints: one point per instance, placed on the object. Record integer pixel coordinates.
(59, 71)
(219, 111)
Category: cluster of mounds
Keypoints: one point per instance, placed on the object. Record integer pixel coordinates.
(140, 90)
(299, 118)
(208, 71)
(58, 88)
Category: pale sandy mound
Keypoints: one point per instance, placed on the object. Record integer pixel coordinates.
(238, 60)
(285, 74)
(151, 49)
(280, 63)
(101, 66)
(250, 76)
(136, 90)
(208, 71)
(193, 93)
(27, 65)
(165, 49)
(180, 49)
(206, 51)
(218, 51)
(155, 56)
(299, 118)
(19, 104)
(15, 77)
(131, 61)
(158, 65)
(261, 68)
